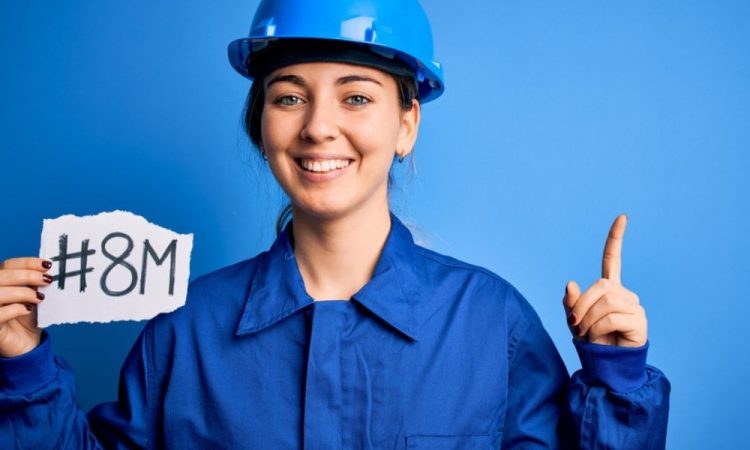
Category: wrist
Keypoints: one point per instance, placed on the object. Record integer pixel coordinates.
(23, 348)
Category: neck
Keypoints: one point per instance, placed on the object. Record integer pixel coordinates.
(336, 257)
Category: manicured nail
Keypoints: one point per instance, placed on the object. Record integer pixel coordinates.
(47, 278)
(571, 319)
(39, 295)
(47, 264)
(29, 307)
(577, 330)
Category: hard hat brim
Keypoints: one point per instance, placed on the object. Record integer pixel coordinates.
(241, 54)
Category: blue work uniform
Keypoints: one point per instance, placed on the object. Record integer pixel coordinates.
(432, 353)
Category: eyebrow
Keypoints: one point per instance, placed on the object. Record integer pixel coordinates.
(294, 79)
(353, 78)
(299, 81)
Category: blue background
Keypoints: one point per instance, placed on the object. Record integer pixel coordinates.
(557, 117)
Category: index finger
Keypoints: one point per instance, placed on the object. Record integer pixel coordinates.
(30, 263)
(612, 258)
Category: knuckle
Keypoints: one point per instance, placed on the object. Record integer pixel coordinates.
(13, 278)
(18, 293)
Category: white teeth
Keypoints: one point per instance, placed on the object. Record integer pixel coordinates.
(325, 165)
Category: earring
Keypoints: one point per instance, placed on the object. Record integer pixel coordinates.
(265, 156)
(400, 157)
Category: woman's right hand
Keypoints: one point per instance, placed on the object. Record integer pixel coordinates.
(19, 279)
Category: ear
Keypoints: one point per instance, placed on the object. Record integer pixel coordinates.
(407, 135)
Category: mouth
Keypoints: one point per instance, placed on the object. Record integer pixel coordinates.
(322, 165)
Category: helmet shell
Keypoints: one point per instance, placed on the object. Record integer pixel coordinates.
(391, 28)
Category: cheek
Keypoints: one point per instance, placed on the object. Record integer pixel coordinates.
(279, 129)
(274, 132)
(375, 136)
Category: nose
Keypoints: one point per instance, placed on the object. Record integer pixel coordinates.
(320, 123)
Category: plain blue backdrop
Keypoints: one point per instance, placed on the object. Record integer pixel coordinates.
(557, 117)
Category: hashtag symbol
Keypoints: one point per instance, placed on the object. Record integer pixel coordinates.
(63, 258)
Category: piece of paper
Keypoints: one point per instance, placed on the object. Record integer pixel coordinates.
(112, 266)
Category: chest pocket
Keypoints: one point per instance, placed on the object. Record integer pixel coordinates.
(453, 442)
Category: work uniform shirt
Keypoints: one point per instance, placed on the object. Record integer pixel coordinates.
(432, 353)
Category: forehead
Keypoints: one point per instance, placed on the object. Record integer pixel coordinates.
(329, 72)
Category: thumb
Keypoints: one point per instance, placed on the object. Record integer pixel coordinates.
(572, 292)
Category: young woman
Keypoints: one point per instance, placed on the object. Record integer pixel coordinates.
(344, 334)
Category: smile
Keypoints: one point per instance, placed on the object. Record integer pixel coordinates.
(322, 165)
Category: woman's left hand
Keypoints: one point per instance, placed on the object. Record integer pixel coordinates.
(607, 313)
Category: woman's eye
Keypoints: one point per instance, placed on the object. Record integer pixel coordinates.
(288, 100)
(357, 100)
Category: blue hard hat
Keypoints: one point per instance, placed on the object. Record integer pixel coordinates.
(394, 29)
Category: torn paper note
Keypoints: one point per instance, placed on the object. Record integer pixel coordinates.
(112, 266)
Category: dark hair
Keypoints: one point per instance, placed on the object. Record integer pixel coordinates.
(253, 113)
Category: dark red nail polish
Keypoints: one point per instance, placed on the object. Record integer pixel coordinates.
(47, 278)
(47, 264)
(571, 319)
(40, 296)
(29, 307)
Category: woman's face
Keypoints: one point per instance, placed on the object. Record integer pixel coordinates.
(330, 132)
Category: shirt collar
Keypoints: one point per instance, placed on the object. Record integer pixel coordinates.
(277, 289)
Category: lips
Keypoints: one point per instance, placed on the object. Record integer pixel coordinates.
(319, 165)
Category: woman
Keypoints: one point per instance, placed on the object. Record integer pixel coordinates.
(344, 334)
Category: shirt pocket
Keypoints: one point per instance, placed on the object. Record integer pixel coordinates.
(453, 442)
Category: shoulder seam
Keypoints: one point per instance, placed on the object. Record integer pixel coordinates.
(448, 261)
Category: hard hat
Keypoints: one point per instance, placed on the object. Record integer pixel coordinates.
(393, 29)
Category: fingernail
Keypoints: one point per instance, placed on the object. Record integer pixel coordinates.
(577, 330)
(571, 319)
(39, 295)
(47, 278)
(47, 264)
(29, 307)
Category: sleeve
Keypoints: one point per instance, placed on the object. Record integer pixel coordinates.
(39, 409)
(614, 401)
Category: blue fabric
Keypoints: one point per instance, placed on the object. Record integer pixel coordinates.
(432, 353)
(620, 369)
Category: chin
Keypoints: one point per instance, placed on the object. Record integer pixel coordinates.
(322, 210)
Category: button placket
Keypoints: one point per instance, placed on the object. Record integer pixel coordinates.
(323, 390)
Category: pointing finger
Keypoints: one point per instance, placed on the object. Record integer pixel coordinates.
(612, 259)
